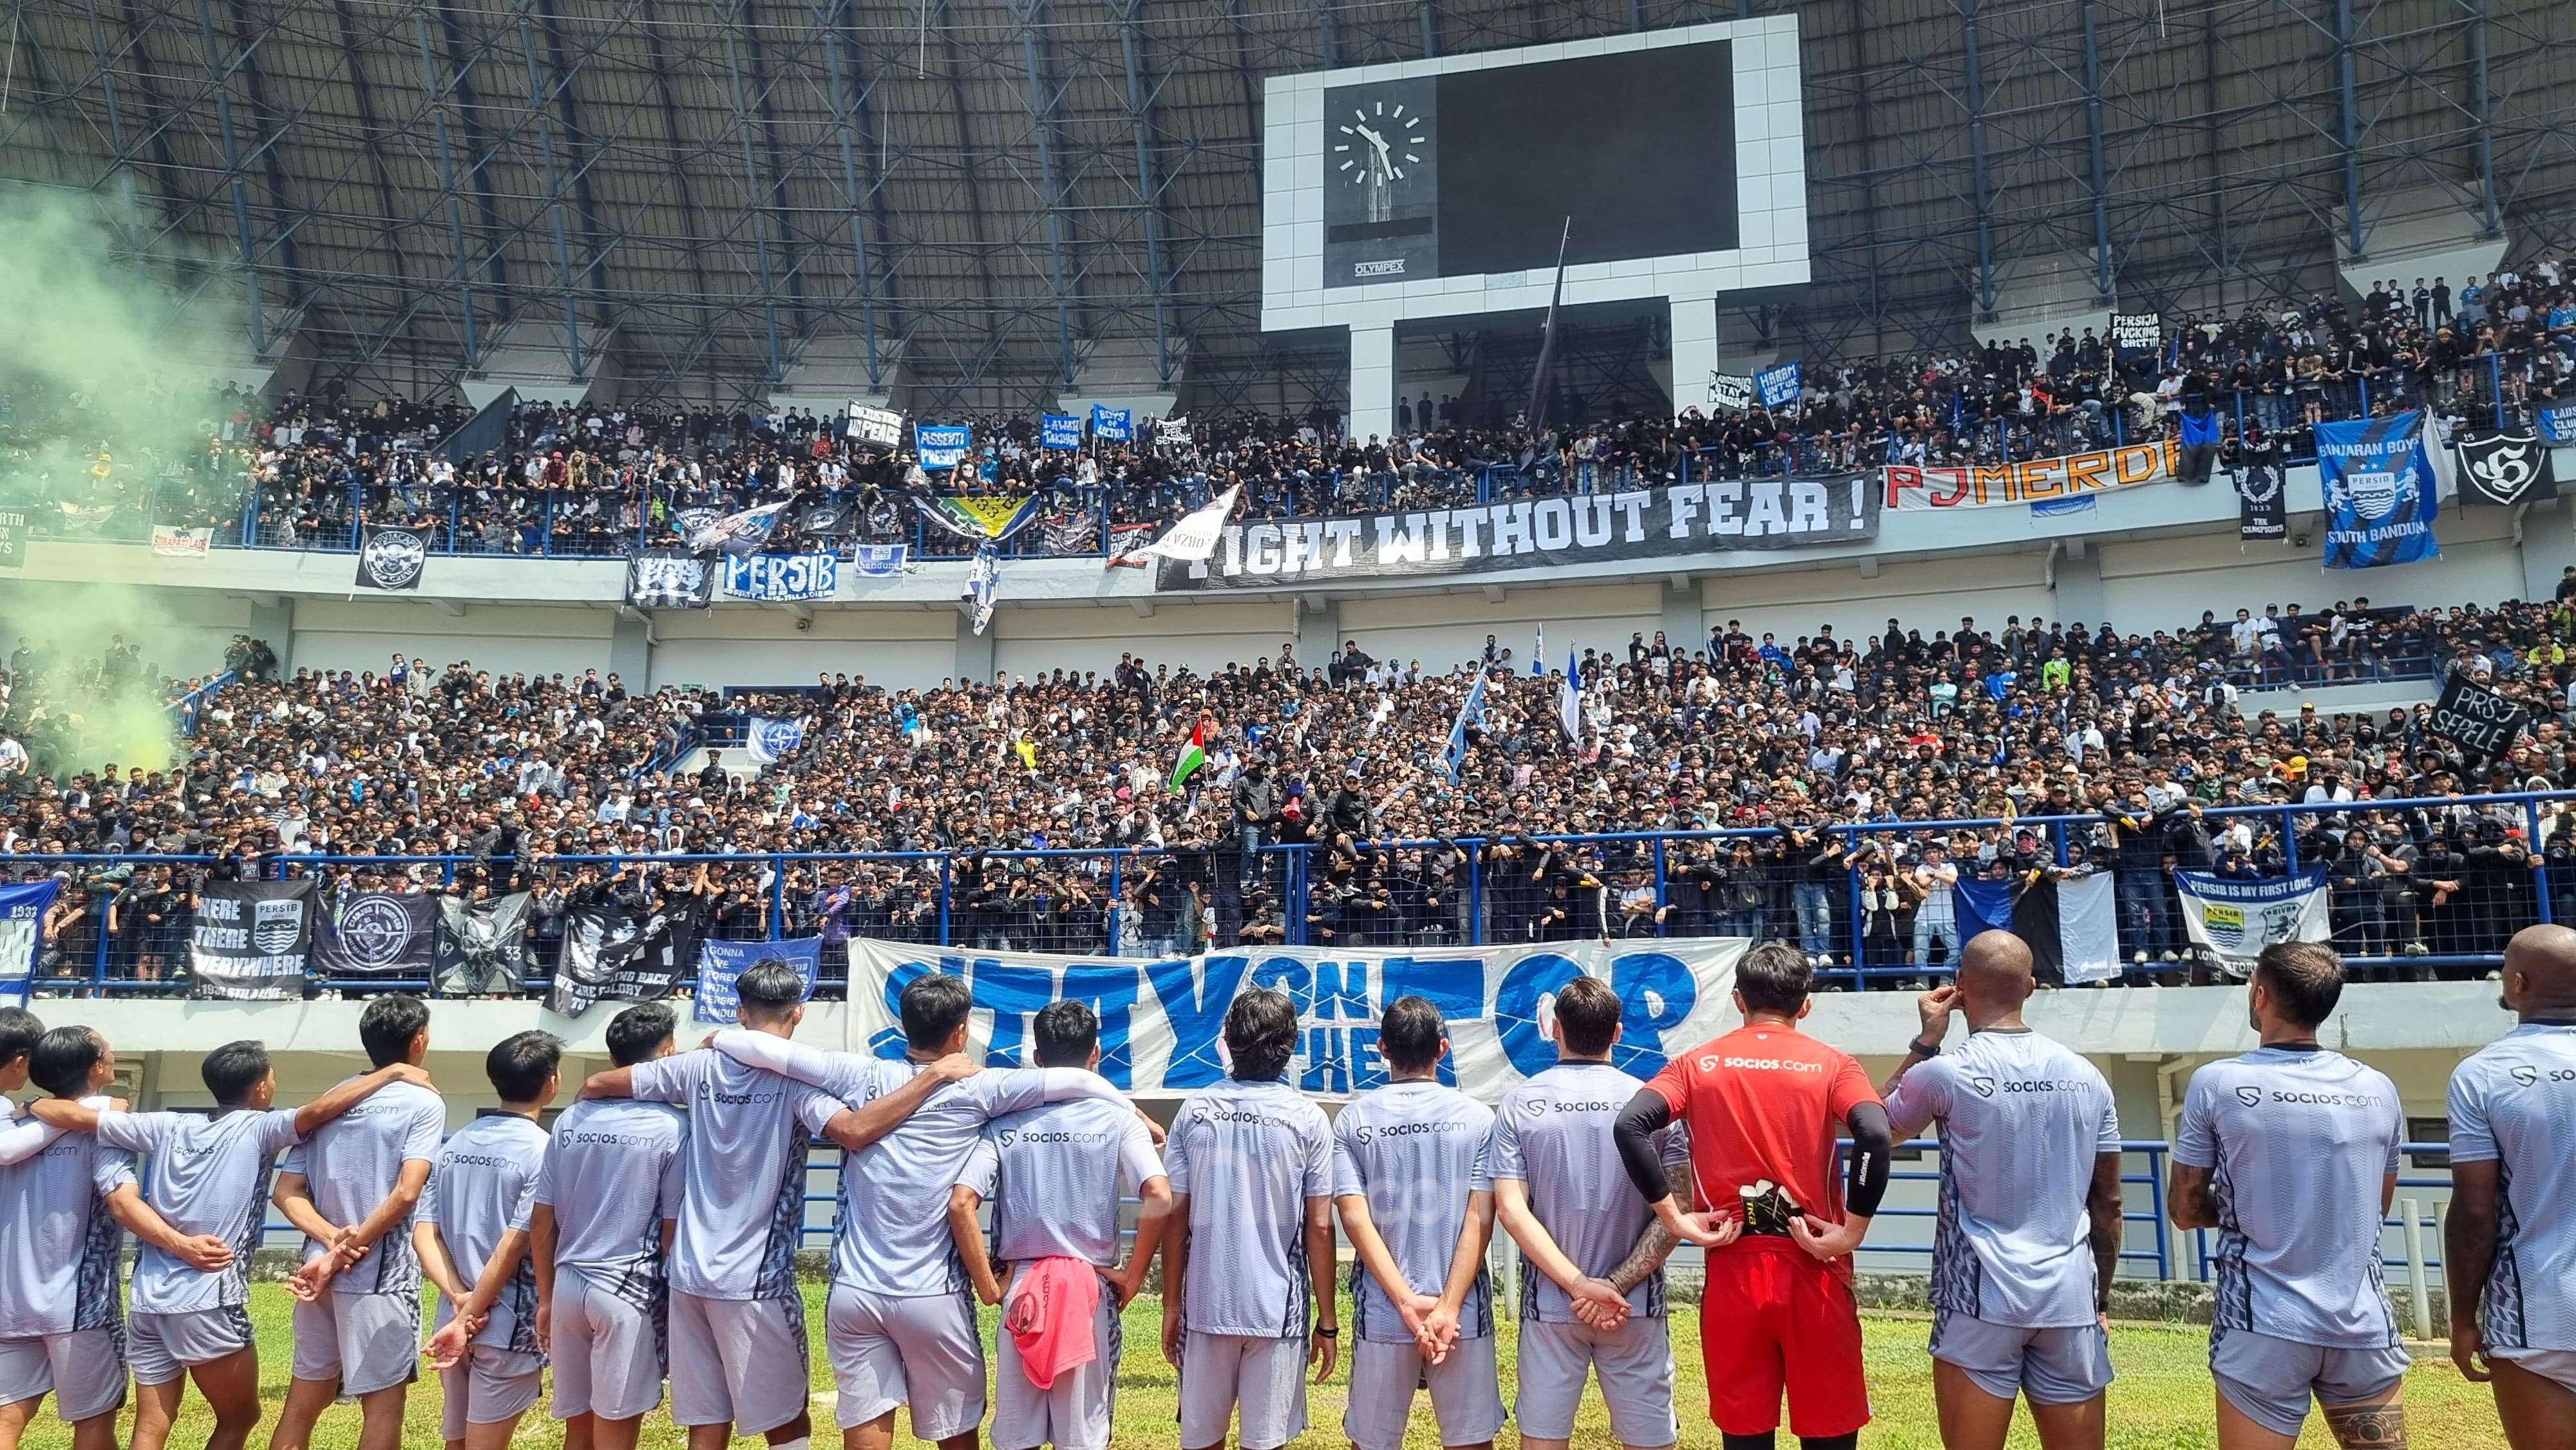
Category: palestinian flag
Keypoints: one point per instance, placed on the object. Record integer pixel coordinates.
(2067, 921)
(1193, 757)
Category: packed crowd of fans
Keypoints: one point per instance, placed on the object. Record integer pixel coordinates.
(1738, 785)
(307, 471)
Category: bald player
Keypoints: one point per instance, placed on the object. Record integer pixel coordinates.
(2028, 1233)
(2290, 1152)
(2512, 1231)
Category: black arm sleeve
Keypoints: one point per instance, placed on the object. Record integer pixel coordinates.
(1873, 1147)
(1646, 1114)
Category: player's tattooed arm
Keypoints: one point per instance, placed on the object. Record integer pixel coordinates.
(2368, 1427)
(1653, 1246)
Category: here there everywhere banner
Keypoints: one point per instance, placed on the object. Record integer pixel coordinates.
(1646, 523)
(1162, 1021)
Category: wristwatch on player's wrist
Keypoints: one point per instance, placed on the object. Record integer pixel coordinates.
(1921, 1048)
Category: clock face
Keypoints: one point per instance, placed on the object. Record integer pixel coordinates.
(1378, 142)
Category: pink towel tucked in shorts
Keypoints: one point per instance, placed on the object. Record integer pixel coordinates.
(1048, 1314)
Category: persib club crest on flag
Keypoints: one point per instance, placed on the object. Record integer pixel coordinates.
(2226, 925)
(2374, 493)
(276, 926)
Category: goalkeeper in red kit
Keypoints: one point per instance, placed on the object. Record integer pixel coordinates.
(1760, 1105)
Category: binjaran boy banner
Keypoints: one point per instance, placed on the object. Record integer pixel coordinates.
(2037, 480)
(1162, 1021)
(1721, 516)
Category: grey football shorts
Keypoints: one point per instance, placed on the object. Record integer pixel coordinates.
(923, 1352)
(1259, 1380)
(368, 1342)
(2065, 1365)
(83, 1371)
(2271, 1379)
(487, 1387)
(1466, 1397)
(1634, 1361)
(607, 1350)
(741, 1362)
(162, 1347)
(1074, 1413)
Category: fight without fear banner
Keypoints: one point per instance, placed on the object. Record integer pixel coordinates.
(1658, 523)
(1161, 1021)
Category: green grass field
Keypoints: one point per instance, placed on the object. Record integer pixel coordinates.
(2161, 1401)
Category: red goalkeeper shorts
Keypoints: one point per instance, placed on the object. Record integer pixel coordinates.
(1775, 1318)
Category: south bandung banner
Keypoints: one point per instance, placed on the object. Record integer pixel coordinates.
(1161, 1021)
(1729, 515)
(2233, 919)
(780, 578)
(22, 921)
(2379, 492)
(2037, 480)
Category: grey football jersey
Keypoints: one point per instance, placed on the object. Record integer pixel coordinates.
(2514, 1103)
(745, 1206)
(1249, 1155)
(1552, 1133)
(204, 1176)
(352, 1164)
(2022, 1119)
(478, 1186)
(2299, 1145)
(612, 1173)
(1054, 1175)
(1414, 1150)
(891, 1234)
(58, 1259)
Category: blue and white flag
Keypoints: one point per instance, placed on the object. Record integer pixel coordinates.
(2233, 919)
(983, 574)
(1468, 709)
(879, 561)
(781, 578)
(1778, 385)
(939, 445)
(2558, 421)
(1114, 424)
(738, 533)
(22, 921)
(770, 740)
(2379, 491)
(1538, 654)
(722, 963)
(1569, 699)
(1059, 430)
(2069, 922)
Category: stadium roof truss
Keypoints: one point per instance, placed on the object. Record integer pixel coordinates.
(987, 187)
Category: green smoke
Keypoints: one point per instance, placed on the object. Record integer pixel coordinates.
(106, 410)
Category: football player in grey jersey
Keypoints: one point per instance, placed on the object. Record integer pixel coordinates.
(1248, 1259)
(2511, 1239)
(208, 1177)
(2028, 1234)
(595, 1227)
(62, 1319)
(2290, 1151)
(1054, 1174)
(352, 1189)
(489, 1357)
(1409, 1179)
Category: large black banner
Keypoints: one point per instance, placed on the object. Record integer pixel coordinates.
(2262, 506)
(2477, 719)
(2505, 469)
(392, 558)
(612, 954)
(482, 945)
(379, 934)
(1724, 516)
(669, 579)
(250, 939)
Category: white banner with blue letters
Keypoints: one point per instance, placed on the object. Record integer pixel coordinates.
(2233, 919)
(1161, 1020)
(780, 578)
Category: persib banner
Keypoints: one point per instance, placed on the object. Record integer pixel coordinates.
(2379, 492)
(1059, 430)
(1724, 516)
(1161, 1021)
(939, 445)
(2036, 480)
(2233, 919)
(780, 578)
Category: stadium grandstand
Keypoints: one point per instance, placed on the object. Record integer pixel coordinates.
(1386, 547)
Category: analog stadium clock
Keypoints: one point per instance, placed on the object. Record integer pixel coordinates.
(1374, 148)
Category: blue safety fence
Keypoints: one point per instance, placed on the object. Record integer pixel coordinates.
(2477, 869)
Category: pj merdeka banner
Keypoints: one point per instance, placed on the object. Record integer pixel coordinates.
(1162, 1020)
(1726, 516)
(2037, 480)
